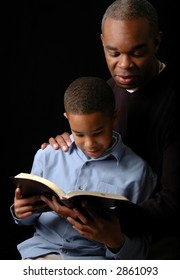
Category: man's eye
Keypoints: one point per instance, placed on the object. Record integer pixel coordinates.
(97, 133)
(138, 54)
(114, 54)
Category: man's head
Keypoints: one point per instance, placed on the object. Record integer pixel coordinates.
(131, 39)
(90, 108)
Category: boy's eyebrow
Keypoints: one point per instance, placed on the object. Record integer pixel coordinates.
(99, 128)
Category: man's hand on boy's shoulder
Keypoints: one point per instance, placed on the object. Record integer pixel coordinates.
(62, 141)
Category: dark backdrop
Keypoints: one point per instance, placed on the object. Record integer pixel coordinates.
(45, 45)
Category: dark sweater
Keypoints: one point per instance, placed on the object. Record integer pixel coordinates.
(149, 124)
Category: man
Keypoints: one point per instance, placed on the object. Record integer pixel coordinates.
(146, 95)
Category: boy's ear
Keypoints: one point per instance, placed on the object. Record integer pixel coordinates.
(65, 115)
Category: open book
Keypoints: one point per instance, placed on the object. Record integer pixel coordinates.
(31, 185)
(132, 216)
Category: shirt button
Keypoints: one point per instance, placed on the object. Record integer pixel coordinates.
(66, 240)
(63, 250)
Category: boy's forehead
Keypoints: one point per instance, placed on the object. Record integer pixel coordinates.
(86, 122)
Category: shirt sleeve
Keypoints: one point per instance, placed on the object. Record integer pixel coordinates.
(135, 248)
(27, 222)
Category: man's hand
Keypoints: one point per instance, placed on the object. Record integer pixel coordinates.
(60, 141)
(106, 230)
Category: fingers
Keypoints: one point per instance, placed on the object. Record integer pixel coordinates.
(18, 193)
(44, 145)
(66, 138)
(80, 216)
(53, 143)
(25, 207)
(63, 141)
(60, 209)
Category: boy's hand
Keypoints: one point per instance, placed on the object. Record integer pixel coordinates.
(25, 207)
(60, 209)
(106, 230)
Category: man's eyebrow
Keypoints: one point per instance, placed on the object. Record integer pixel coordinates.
(140, 46)
(111, 48)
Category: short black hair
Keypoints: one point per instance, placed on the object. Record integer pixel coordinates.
(130, 10)
(87, 95)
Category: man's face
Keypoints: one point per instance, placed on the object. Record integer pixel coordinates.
(130, 50)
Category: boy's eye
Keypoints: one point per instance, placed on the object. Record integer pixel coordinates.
(94, 134)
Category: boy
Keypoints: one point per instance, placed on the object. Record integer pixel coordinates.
(96, 161)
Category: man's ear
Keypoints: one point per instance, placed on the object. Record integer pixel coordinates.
(158, 40)
(65, 115)
(102, 39)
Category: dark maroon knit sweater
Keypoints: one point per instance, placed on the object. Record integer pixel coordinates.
(149, 124)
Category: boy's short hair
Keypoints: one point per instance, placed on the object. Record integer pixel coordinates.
(87, 95)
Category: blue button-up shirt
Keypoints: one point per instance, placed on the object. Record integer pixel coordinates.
(118, 171)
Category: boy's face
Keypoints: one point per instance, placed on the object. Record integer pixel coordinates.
(92, 132)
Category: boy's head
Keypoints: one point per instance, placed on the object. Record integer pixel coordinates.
(90, 109)
(87, 95)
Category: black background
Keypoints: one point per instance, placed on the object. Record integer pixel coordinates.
(45, 45)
